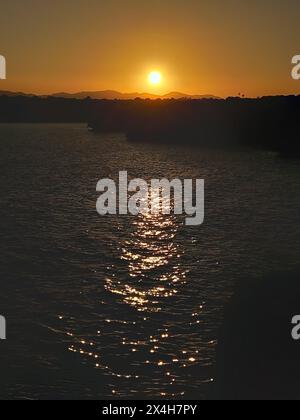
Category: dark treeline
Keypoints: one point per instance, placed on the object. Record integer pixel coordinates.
(268, 122)
(34, 109)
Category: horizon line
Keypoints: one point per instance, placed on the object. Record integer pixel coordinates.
(29, 92)
(185, 95)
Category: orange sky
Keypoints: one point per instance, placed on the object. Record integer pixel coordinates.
(205, 47)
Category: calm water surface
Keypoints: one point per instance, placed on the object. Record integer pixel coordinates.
(127, 307)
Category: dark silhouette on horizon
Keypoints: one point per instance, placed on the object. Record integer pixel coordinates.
(268, 123)
(112, 95)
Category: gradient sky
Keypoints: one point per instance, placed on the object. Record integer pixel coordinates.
(219, 47)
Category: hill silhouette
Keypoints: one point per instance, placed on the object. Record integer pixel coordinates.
(269, 123)
(112, 94)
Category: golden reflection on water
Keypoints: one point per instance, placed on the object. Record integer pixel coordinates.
(155, 273)
(153, 258)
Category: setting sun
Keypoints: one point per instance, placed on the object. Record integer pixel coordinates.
(154, 77)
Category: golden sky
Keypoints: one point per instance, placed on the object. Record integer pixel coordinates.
(219, 47)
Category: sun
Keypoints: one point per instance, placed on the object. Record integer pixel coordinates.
(155, 78)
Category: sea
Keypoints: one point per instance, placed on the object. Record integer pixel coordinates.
(128, 307)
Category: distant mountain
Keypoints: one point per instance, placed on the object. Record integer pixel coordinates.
(8, 93)
(112, 94)
(179, 95)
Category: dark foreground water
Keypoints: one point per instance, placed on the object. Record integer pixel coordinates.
(127, 307)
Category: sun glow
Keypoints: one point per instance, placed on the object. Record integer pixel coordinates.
(155, 78)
